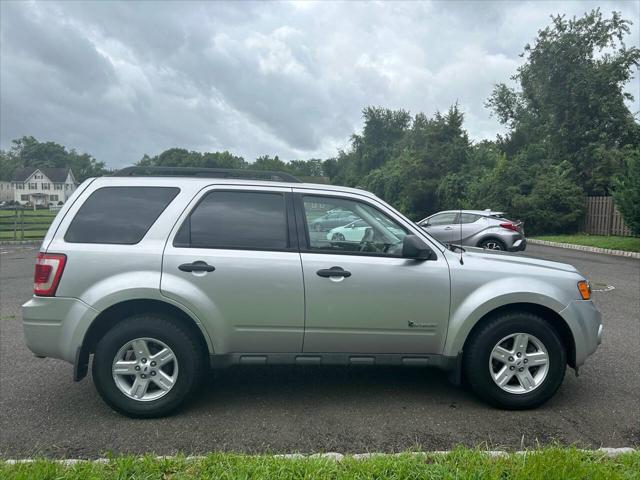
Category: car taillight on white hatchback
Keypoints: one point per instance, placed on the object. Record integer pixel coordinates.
(46, 277)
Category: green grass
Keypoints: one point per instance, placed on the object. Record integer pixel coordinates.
(628, 244)
(545, 464)
(29, 235)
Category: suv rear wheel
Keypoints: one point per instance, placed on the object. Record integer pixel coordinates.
(515, 361)
(147, 366)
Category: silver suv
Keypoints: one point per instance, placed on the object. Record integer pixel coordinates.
(160, 274)
(476, 228)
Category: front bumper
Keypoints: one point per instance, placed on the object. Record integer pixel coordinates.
(585, 322)
(55, 326)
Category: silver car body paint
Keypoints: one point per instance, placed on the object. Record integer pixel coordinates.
(272, 301)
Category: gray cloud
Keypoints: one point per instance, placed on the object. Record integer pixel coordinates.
(120, 79)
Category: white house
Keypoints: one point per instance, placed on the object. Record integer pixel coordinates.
(43, 186)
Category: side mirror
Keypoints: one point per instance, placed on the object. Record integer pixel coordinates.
(414, 247)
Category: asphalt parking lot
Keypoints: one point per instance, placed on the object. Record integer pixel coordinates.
(312, 409)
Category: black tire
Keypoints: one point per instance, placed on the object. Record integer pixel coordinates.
(188, 352)
(487, 243)
(478, 350)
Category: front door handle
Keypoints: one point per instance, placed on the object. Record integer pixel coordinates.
(448, 228)
(198, 266)
(333, 272)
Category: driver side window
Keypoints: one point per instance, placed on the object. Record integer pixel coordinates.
(342, 225)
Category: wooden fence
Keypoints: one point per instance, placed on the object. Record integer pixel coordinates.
(603, 218)
(24, 224)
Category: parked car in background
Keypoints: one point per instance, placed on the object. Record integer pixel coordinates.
(159, 274)
(329, 220)
(476, 228)
(355, 231)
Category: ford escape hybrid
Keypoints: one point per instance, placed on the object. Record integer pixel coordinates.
(159, 274)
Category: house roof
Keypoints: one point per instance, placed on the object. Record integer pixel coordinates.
(57, 175)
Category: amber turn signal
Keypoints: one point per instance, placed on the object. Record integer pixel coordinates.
(585, 290)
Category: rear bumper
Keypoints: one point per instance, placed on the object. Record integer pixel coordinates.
(55, 327)
(585, 322)
(519, 245)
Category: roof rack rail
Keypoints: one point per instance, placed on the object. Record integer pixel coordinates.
(206, 173)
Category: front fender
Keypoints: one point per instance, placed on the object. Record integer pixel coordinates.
(467, 308)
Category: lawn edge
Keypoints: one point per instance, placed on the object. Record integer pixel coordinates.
(335, 456)
(584, 248)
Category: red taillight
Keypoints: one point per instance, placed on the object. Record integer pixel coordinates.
(509, 226)
(49, 267)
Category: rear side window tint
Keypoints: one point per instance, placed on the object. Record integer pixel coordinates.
(119, 215)
(246, 220)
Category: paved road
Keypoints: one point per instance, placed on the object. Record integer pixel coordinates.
(286, 409)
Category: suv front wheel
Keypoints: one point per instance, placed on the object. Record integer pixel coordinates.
(147, 365)
(515, 361)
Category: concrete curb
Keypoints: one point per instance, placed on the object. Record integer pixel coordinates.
(584, 248)
(337, 457)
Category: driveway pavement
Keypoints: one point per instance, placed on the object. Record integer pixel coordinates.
(312, 409)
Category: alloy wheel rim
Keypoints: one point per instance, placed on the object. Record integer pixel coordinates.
(493, 246)
(519, 363)
(145, 369)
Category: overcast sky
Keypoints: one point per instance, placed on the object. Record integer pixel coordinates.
(119, 80)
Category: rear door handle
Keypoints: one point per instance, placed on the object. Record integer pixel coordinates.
(198, 266)
(333, 272)
(448, 228)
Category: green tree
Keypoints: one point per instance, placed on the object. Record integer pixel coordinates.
(626, 191)
(181, 157)
(29, 152)
(571, 97)
(265, 162)
(8, 165)
(555, 204)
(430, 151)
(306, 168)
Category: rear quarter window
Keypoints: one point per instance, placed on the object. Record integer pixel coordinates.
(119, 215)
(468, 218)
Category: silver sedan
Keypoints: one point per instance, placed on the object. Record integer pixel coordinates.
(476, 228)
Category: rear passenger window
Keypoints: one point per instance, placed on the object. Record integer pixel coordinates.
(249, 220)
(119, 215)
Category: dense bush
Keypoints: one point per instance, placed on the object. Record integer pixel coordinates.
(627, 191)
